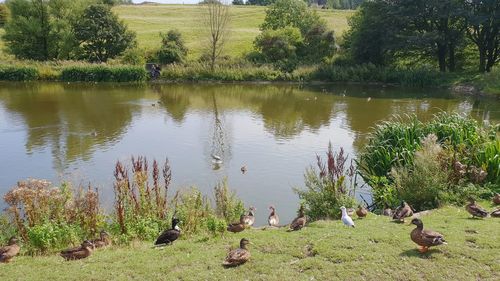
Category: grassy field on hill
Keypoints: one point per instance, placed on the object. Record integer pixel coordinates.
(377, 249)
(149, 20)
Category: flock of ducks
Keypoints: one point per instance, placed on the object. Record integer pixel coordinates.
(424, 238)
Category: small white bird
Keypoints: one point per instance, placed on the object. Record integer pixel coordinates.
(216, 159)
(346, 219)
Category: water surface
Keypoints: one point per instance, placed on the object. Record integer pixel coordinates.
(77, 131)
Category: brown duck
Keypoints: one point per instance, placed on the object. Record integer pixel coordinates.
(475, 210)
(238, 256)
(387, 211)
(84, 251)
(425, 238)
(9, 251)
(273, 219)
(496, 199)
(299, 222)
(361, 212)
(249, 219)
(404, 210)
(237, 227)
(496, 213)
(103, 241)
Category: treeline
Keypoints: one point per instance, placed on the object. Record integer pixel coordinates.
(332, 4)
(65, 30)
(448, 33)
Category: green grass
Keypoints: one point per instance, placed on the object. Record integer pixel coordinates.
(375, 249)
(149, 20)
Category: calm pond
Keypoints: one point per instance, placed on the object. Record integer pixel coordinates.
(77, 132)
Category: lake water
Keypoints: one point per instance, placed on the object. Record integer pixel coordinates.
(77, 131)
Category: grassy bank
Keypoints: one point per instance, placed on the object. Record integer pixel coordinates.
(375, 249)
(149, 20)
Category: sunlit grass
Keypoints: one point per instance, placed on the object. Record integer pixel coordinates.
(375, 249)
(149, 20)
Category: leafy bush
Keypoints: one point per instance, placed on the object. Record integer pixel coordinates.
(18, 73)
(279, 47)
(42, 214)
(172, 49)
(327, 188)
(216, 226)
(393, 143)
(133, 56)
(383, 192)
(4, 14)
(192, 208)
(227, 205)
(103, 73)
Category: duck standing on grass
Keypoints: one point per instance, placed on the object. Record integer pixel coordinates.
(496, 199)
(346, 219)
(84, 251)
(238, 226)
(9, 251)
(299, 222)
(170, 235)
(496, 213)
(238, 256)
(361, 212)
(425, 238)
(102, 241)
(273, 219)
(475, 210)
(387, 211)
(249, 219)
(404, 210)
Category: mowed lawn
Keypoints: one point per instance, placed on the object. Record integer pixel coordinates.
(377, 249)
(149, 20)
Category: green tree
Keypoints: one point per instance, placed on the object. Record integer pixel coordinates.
(279, 47)
(173, 49)
(4, 14)
(483, 28)
(101, 35)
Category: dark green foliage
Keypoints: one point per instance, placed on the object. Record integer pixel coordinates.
(259, 2)
(316, 43)
(279, 47)
(18, 73)
(344, 4)
(419, 77)
(41, 30)
(4, 14)
(103, 73)
(238, 2)
(173, 49)
(201, 72)
(101, 34)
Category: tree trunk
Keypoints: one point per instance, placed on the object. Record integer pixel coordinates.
(441, 53)
(451, 57)
(482, 59)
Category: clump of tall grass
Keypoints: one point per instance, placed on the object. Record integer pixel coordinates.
(418, 77)
(202, 72)
(46, 216)
(227, 205)
(18, 73)
(328, 187)
(103, 73)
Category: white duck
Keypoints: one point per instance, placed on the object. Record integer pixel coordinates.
(346, 219)
(216, 159)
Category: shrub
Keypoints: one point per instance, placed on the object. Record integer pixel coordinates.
(172, 49)
(18, 73)
(4, 14)
(133, 56)
(103, 73)
(36, 207)
(327, 188)
(140, 209)
(193, 209)
(227, 205)
(279, 47)
(383, 192)
(200, 72)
